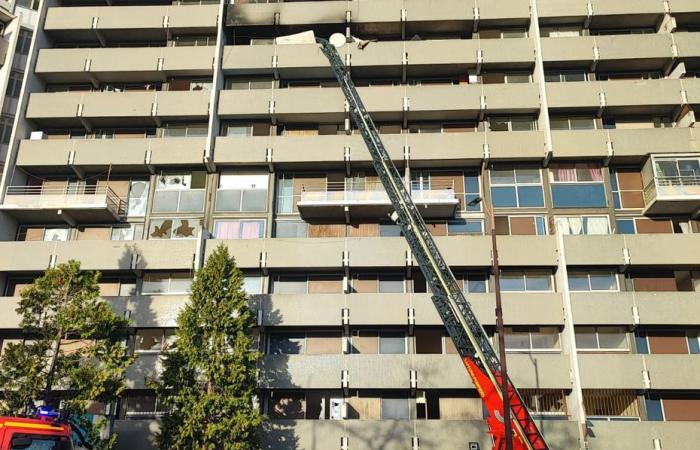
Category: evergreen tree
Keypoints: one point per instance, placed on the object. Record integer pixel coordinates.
(73, 349)
(209, 376)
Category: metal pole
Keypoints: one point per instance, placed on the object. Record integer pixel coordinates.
(501, 335)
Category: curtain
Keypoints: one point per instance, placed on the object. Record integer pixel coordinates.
(595, 172)
(227, 230)
(597, 225)
(564, 172)
(251, 229)
(570, 225)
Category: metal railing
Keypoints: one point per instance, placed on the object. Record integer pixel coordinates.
(372, 191)
(62, 196)
(675, 185)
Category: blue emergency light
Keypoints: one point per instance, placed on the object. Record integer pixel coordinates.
(46, 412)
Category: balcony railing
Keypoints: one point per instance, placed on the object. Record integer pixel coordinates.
(676, 186)
(67, 197)
(368, 192)
(361, 198)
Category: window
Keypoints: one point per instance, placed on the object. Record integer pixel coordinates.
(561, 31)
(292, 343)
(572, 123)
(515, 281)
(390, 230)
(565, 76)
(677, 172)
(14, 84)
(655, 411)
(391, 284)
(239, 229)
(643, 225)
(515, 123)
(301, 284)
(153, 340)
(521, 225)
(247, 129)
(6, 123)
(242, 193)
(601, 338)
(309, 343)
(166, 283)
(193, 41)
(185, 130)
(583, 225)
(181, 192)
(627, 188)
(24, 41)
(311, 405)
(611, 404)
(667, 342)
(130, 232)
(56, 234)
(291, 229)
(395, 408)
(592, 281)
(138, 198)
(392, 342)
(577, 185)
(463, 227)
(174, 228)
(545, 403)
(246, 84)
(285, 194)
(252, 284)
(474, 283)
(528, 339)
(472, 190)
(141, 406)
(516, 188)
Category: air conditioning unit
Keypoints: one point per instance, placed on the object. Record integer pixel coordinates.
(37, 135)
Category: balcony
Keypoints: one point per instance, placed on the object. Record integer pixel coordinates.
(97, 155)
(381, 59)
(392, 309)
(161, 254)
(40, 204)
(319, 253)
(671, 185)
(142, 21)
(446, 102)
(614, 53)
(63, 65)
(427, 150)
(73, 109)
(368, 199)
(629, 97)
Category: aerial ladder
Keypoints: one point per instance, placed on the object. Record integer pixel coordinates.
(466, 332)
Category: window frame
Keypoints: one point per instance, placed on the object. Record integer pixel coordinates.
(515, 185)
(598, 348)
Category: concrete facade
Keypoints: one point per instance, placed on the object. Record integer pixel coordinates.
(148, 134)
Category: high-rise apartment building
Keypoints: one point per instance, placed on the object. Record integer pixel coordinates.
(150, 132)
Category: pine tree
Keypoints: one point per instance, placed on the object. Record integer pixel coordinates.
(73, 349)
(209, 376)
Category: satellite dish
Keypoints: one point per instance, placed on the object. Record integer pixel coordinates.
(337, 39)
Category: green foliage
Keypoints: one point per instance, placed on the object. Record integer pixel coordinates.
(209, 377)
(73, 350)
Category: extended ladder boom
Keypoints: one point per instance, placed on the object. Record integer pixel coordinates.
(466, 332)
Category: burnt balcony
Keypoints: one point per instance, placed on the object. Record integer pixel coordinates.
(368, 199)
(672, 185)
(62, 204)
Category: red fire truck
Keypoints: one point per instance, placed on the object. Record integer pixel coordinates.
(18, 433)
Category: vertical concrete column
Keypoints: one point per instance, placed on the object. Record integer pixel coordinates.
(217, 85)
(538, 77)
(568, 344)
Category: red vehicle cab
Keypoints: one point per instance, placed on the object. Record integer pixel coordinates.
(33, 434)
